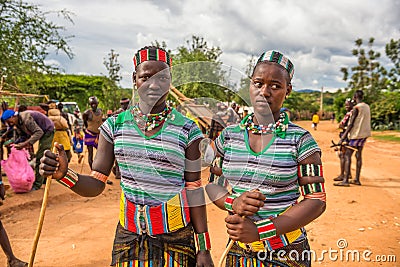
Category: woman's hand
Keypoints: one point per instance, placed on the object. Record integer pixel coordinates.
(54, 164)
(248, 203)
(241, 229)
(203, 259)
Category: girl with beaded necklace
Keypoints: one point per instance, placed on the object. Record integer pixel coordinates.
(268, 164)
(162, 219)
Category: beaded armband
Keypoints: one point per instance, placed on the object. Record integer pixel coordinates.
(99, 176)
(202, 241)
(309, 170)
(313, 191)
(312, 188)
(229, 202)
(266, 229)
(70, 179)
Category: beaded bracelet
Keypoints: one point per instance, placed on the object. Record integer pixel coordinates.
(70, 179)
(99, 176)
(229, 202)
(266, 229)
(202, 241)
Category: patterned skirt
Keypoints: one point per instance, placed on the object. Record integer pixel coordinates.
(295, 254)
(91, 139)
(164, 250)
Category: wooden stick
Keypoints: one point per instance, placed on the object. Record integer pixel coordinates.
(41, 218)
(230, 244)
(223, 257)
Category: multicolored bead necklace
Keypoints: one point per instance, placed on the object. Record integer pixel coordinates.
(150, 121)
(279, 126)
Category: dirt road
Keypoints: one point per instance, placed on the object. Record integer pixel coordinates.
(362, 220)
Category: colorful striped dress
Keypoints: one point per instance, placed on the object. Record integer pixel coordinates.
(273, 171)
(152, 180)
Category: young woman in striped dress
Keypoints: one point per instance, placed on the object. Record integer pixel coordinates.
(162, 219)
(268, 166)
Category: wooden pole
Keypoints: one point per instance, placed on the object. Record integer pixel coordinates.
(41, 218)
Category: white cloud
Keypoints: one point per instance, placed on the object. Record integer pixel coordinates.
(317, 35)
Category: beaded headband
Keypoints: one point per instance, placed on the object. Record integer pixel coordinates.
(153, 53)
(277, 57)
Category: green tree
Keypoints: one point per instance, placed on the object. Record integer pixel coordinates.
(27, 37)
(392, 50)
(197, 70)
(368, 74)
(243, 97)
(111, 92)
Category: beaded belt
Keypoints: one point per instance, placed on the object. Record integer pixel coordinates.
(273, 243)
(153, 220)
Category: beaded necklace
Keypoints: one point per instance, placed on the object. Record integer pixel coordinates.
(279, 127)
(150, 121)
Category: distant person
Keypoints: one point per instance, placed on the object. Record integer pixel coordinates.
(77, 139)
(12, 261)
(333, 117)
(217, 122)
(92, 119)
(233, 116)
(358, 130)
(61, 129)
(349, 103)
(39, 128)
(124, 102)
(60, 107)
(315, 120)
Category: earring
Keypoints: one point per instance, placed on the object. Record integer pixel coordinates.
(286, 96)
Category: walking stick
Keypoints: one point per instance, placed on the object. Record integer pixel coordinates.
(41, 217)
(230, 244)
(223, 257)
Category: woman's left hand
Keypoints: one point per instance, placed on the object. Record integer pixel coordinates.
(203, 259)
(241, 229)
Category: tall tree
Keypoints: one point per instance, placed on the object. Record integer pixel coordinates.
(197, 70)
(367, 75)
(392, 50)
(243, 97)
(27, 37)
(113, 67)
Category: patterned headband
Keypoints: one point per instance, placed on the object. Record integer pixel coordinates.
(277, 57)
(152, 53)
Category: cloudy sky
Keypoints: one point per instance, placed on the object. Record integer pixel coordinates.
(317, 35)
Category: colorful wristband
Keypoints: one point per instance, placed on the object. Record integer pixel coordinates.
(1, 182)
(99, 176)
(202, 241)
(229, 202)
(70, 179)
(266, 229)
